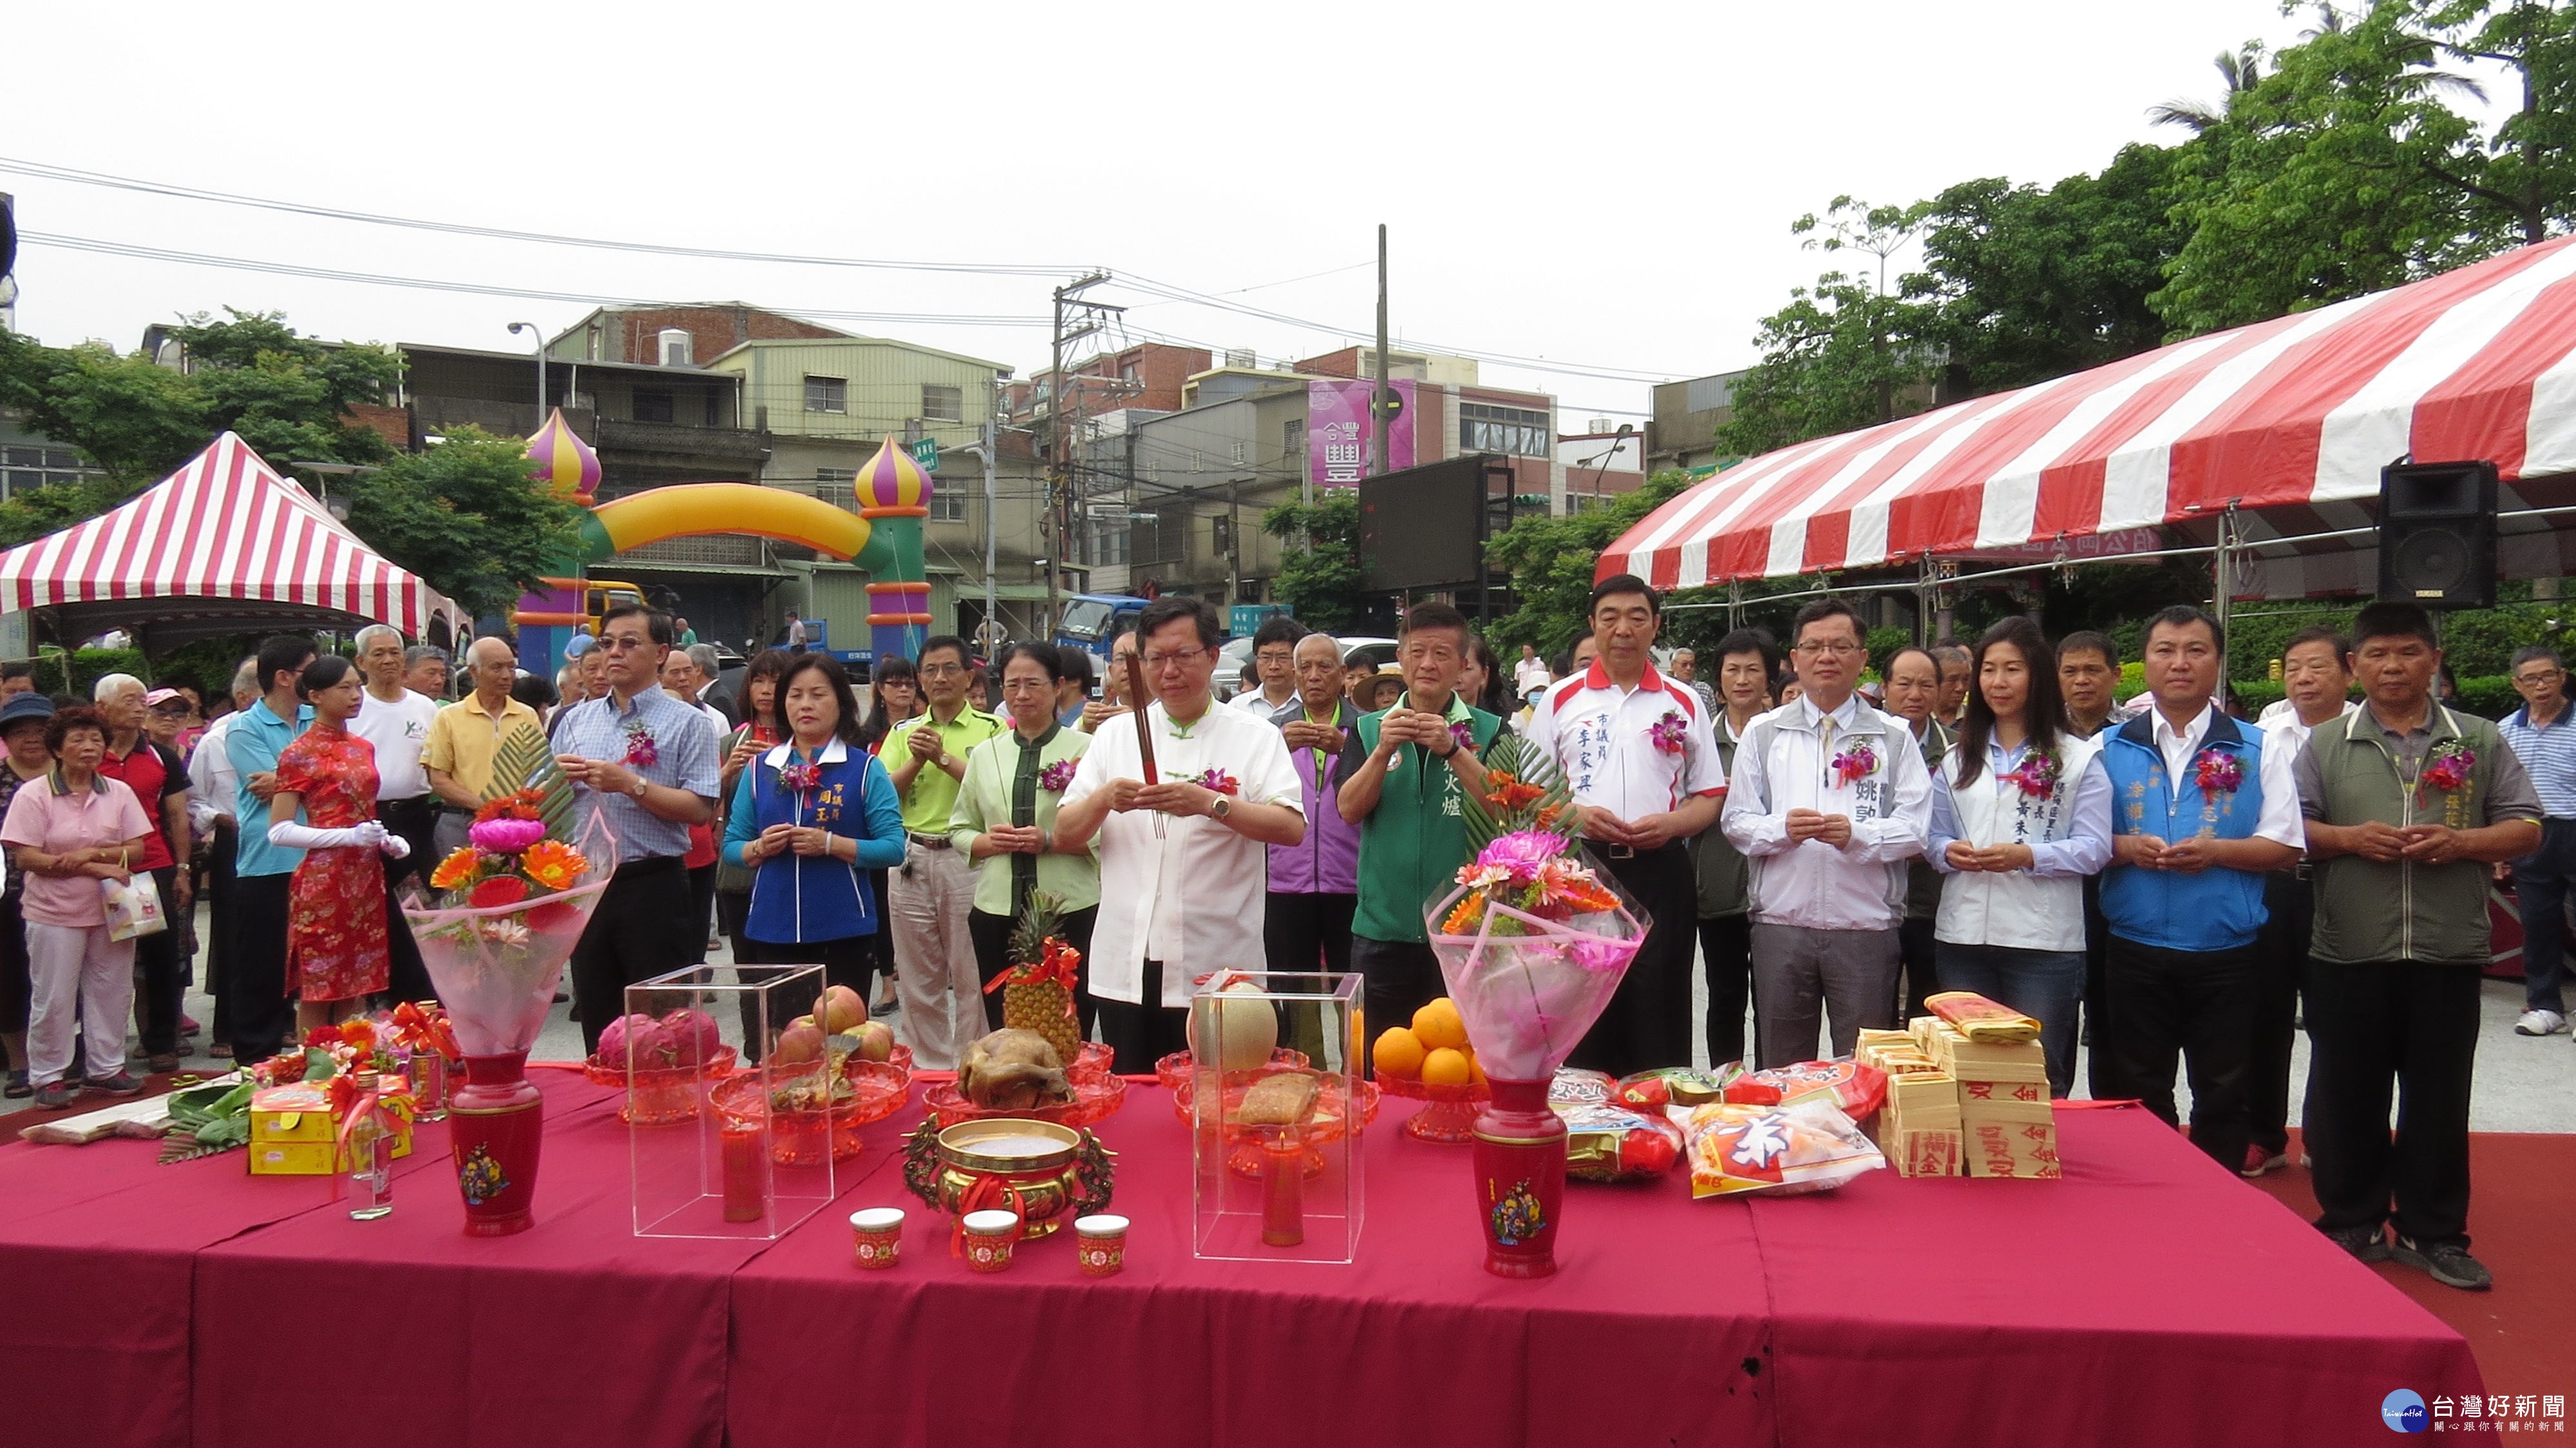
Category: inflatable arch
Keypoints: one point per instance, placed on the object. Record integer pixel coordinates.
(883, 536)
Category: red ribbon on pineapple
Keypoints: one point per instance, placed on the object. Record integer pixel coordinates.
(1057, 964)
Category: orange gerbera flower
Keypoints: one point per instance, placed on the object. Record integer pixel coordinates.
(527, 804)
(553, 864)
(1506, 792)
(358, 1034)
(1464, 917)
(456, 869)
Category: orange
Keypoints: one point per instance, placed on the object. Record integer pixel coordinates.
(1437, 1025)
(1445, 1067)
(1475, 1070)
(1398, 1054)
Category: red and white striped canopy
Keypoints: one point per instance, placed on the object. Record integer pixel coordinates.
(223, 544)
(2294, 416)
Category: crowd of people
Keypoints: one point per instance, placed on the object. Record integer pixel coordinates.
(2170, 885)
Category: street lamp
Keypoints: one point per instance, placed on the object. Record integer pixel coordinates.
(531, 329)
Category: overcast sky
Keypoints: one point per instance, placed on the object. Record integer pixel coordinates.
(1603, 186)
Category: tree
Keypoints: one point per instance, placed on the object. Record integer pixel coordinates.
(465, 517)
(1845, 353)
(1319, 578)
(1550, 561)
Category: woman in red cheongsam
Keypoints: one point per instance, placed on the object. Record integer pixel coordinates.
(335, 933)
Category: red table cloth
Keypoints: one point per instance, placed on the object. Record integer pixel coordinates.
(2150, 1297)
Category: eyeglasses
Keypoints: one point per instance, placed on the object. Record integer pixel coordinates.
(1176, 656)
(1838, 650)
(1275, 656)
(617, 644)
(940, 671)
(2545, 676)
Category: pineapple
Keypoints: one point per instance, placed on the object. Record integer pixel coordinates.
(1035, 1002)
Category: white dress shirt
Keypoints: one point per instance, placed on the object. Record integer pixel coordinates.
(1786, 763)
(2280, 820)
(1186, 891)
(399, 731)
(211, 780)
(1601, 738)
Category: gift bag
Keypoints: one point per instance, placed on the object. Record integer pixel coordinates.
(133, 907)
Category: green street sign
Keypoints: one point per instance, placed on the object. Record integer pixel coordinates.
(926, 452)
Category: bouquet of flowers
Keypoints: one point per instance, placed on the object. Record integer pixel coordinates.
(1535, 937)
(511, 903)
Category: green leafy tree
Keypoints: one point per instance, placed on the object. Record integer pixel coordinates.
(465, 517)
(1319, 577)
(1550, 561)
(1847, 352)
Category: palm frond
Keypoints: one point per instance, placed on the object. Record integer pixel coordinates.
(524, 762)
(1488, 820)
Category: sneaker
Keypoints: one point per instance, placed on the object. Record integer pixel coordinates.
(56, 1095)
(120, 1084)
(2259, 1161)
(2448, 1263)
(2366, 1244)
(2539, 1023)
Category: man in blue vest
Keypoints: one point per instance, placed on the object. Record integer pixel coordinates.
(2202, 812)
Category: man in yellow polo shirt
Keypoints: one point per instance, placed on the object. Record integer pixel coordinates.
(467, 734)
(929, 897)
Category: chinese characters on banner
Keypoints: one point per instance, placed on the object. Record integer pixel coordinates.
(1338, 430)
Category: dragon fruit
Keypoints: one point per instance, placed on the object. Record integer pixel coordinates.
(614, 1038)
(692, 1035)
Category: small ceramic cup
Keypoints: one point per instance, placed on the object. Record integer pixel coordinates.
(1103, 1242)
(878, 1232)
(989, 1237)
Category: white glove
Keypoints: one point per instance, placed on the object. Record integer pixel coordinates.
(395, 846)
(305, 837)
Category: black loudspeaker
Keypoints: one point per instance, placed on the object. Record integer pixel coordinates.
(2437, 534)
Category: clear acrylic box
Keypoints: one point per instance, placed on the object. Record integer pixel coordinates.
(711, 1158)
(1275, 1141)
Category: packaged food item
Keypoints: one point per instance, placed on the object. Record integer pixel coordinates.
(1854, 1088)
(1606, 1141)
(1737, 1149)
(1653, 1091)
(1981, 1020)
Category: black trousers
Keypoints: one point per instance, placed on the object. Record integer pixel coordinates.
(1648, 1020)
(2415, 1024)
(257, 967)
(416, 820)
(2097, 945)
(733, 912)
(702, 908)
(2280, 968)
(17, 987)
(992, 937)
(1305, 933)
(1143, 1034)
(2191, 1003)
(846, 961)
(2541, 884)
(1726, 955)
(640, 930)
(1397, 978)
(159, 988)
(1914, 956)
(219, 929)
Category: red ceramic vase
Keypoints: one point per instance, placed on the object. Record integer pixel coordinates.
(496, 1122)
(1520, 1179)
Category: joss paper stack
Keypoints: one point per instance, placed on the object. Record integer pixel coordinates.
(1919, 1128)
(2004, 1113)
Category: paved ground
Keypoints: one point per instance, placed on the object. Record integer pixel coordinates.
(2523, 1083)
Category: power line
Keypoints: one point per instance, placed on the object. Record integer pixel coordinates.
(194, 193)
(190, 258)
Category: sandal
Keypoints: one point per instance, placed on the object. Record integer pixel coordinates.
(221, 1050)
(18, 1087)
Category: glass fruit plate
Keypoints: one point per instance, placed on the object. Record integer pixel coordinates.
(665, 1095)
(1096, 1096)
(797, 1136)
(1176, 1070)
(1245, 1144)
(1451, 1116)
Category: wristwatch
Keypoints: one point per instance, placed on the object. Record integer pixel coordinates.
(640, 787)
(1222, 808)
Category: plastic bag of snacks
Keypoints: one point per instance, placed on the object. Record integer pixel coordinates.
(1855, 1089)
(1607, 1142)
(1737, 1149)
(1654, 1091)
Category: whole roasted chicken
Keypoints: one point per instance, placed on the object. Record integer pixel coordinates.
(1013, 1070)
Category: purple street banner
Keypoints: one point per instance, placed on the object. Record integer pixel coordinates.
(1337, 430)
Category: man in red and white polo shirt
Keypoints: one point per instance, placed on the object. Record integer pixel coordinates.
(1638, 753)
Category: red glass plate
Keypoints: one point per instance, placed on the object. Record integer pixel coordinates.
(797, 1137)
(1174, 1070)
(1096, 1095)
(1244, 1144)
(1451, 1116)
(661, 1097)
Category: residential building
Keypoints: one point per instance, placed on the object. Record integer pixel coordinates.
(1148, 375)
(681, 336)
(29, 459)
(1682, 432)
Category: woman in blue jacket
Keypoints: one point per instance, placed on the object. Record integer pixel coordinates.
(811, 817)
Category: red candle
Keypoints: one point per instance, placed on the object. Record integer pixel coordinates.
(746, 1177)
(1283, 1190)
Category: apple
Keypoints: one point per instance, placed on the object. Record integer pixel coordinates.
(801, 1042)
(842, 1010)
(876, 1041)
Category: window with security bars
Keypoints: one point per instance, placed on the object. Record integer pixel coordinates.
(837, 486)
(947, 506)
(942, 404)
(23, 468)
(653, 405)
(827, 394)
(1519, 431)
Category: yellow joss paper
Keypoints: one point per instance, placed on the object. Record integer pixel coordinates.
(1981, 1020)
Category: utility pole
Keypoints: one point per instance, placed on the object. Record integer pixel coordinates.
(992, 515)
(1382, 401)
(1059, 470)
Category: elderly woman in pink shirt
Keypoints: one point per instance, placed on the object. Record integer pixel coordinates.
(65, 834)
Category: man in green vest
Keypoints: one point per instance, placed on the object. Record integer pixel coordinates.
(1403, 774)
(2408, 804)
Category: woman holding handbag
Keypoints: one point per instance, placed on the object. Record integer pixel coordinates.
(72, 838)
(336, 948)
